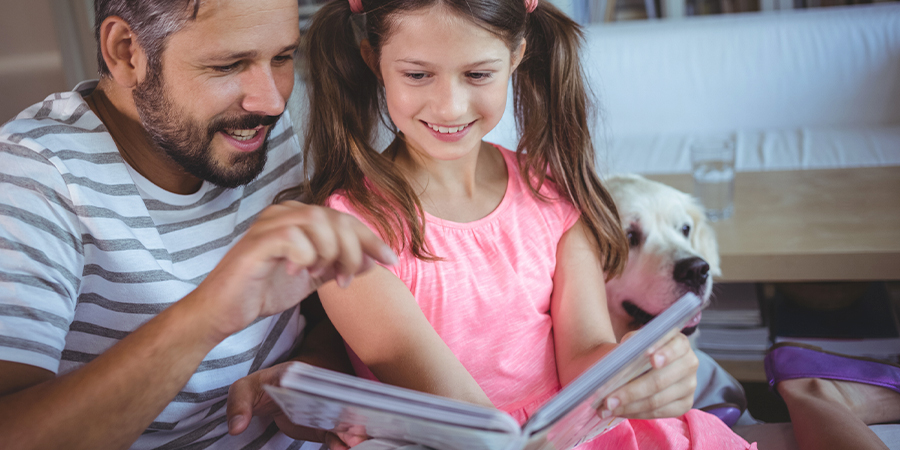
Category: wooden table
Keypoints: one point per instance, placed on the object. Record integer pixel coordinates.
(810, 225)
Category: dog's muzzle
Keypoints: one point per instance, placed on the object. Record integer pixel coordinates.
(691, 273)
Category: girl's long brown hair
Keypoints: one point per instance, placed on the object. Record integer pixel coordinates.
(552, 114)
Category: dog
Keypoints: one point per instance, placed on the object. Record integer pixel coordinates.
(672, 251)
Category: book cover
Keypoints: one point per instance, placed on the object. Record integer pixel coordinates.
(320, 398)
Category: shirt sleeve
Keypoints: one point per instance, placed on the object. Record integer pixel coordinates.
(41, 258)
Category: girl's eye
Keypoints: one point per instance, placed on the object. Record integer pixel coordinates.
(478, 76)
(283, 59)
(415, 75)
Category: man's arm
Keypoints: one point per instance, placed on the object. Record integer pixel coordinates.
(109, 402)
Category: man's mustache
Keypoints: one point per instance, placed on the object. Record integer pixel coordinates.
(246, 122)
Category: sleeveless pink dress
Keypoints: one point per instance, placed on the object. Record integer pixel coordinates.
(489, 300)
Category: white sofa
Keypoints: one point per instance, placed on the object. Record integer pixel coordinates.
(803, 89)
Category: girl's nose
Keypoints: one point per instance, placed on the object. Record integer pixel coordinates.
(261, 93)
(450, 102)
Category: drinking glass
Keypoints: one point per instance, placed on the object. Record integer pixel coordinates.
(712, 164)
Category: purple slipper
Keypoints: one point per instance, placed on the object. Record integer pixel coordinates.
(789, 360)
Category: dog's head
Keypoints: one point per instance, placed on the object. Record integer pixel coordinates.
(672, 251)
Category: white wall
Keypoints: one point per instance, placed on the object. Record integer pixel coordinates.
(46, 46)
(30, 60)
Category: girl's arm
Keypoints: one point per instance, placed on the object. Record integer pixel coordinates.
(583, 333)
(379, 319)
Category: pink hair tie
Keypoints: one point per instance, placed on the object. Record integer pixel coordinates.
(530, 5)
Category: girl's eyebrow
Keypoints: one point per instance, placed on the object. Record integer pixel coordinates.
(427, 64)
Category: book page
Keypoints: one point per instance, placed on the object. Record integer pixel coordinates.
(323, 399)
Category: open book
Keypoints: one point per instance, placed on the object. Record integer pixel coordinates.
(324, 399)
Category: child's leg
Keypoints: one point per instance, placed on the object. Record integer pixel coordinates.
(835, 414)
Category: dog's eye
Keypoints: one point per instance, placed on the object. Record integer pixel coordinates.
(634, 238)
(686, 230)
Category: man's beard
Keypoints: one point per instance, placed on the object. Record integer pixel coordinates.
(187, 142)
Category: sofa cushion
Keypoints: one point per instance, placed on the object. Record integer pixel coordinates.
(802, 148)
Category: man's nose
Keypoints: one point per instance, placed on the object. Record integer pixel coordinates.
(450, 102)
(261, 93)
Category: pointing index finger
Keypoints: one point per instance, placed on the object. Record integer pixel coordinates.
(373, 246)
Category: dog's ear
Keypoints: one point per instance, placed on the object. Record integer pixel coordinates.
(704, 237)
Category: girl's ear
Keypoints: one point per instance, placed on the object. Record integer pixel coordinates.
(368, 55)
(124, 57)
(517, 55)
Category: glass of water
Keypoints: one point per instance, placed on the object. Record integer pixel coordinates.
(712, 164)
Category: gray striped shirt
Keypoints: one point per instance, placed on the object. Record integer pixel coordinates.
(90, 250)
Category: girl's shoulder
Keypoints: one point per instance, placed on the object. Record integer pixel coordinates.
(548, 190)
(550, 203)
(339, 201)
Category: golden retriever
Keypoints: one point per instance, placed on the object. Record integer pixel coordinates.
(672, 251)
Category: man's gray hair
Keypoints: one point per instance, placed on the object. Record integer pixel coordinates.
(151, 21)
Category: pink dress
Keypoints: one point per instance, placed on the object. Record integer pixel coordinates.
(489, 300)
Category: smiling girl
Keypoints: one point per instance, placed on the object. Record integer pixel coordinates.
(498, 298)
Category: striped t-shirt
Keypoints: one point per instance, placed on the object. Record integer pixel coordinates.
(90, 250)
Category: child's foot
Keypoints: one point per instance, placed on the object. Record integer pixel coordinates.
(871, 404)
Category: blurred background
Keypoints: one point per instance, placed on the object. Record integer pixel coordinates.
(47, 45)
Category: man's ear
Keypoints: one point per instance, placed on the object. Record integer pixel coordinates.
(124, 57)
(517, 55)
(368, 55)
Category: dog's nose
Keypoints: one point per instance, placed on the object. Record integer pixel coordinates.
(691, 272)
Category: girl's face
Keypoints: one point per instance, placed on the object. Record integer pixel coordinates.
(445, 81)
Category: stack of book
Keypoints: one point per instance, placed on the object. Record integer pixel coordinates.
(867, 326)
(732, 327)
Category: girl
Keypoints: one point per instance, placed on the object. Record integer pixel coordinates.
(498, 298)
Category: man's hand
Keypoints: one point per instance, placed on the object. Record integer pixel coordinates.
(667, 390)
(246, 398)
(285, 255)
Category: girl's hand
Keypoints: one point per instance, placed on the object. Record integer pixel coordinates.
(666, 390)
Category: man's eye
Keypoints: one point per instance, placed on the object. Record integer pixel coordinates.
(228, 68)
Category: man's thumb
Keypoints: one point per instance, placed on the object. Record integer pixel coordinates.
(239, 409)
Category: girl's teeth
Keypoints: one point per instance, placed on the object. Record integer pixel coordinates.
(446, 130)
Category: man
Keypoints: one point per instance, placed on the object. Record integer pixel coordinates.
(142, 268)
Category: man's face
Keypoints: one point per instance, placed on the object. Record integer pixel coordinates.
(223, 82)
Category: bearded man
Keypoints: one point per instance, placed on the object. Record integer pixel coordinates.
(143, 268)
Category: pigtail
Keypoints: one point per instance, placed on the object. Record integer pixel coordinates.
(338, 154)
(552, 114)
